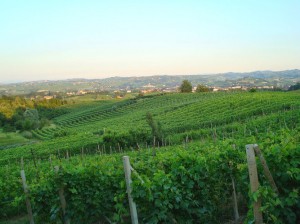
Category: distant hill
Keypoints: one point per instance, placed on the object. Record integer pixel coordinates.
(282, 79)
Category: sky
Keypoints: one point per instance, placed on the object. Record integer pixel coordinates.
(60, 39)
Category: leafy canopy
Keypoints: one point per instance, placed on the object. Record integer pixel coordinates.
(202, 88)
(186, 86)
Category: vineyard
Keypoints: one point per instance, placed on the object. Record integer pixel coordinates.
(197, 116)
(184, 176)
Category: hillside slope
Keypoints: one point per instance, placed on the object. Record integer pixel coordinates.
(192, 116)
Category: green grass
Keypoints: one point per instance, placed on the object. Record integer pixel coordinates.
(11, 138)
(88, 98)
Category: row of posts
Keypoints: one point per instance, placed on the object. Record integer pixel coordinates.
(27, 196)
(251, 151)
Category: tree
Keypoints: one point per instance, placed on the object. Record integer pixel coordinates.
(141, 94)
(155, 126)
(2, 119)
(186, 86)
(295, 87)
(31, 114)
(8, 128)
(202, 88)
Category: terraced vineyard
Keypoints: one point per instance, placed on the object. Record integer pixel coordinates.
(193, 115)
(202, 134)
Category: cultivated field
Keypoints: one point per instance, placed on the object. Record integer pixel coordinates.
(186, 162)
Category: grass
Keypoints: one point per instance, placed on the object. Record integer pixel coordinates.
(88, 98)
(11, 138)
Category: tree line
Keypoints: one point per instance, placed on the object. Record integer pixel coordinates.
(186, 87)
(18, 113)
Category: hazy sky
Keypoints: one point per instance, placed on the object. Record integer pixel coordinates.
(57, 39)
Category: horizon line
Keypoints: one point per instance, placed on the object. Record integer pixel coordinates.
(142, 76)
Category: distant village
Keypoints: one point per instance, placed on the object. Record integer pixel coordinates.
(146, 89)
(120, 87)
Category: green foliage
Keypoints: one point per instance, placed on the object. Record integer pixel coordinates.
(50, 113)
(202, 88)
(186, 86)
(60, 133)
(27, 134)
(213, 115)
(294, 87)
(11, 196)
(9, 105)
(8, 128)
(253, 90)
(141, 94)
(188, 185)
(155, 127)
(17, 220)
(125, 139)
(2, 119)
(31, 114)
(17, 113)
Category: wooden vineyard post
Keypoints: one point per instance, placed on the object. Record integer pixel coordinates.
(25, 187)
(119, 147)
(62, 200)
(154, 151)
(33, 158)
(132, 205)
(50, 161)
(82, 152)
(252, 168)
(234, 197)
(235, 204)
(265, 167)
(186, 142)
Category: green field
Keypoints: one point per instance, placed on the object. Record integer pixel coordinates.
(187, 174)
(194, 115)
(8, 139)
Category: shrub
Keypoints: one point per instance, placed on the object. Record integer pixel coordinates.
(27, 134)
